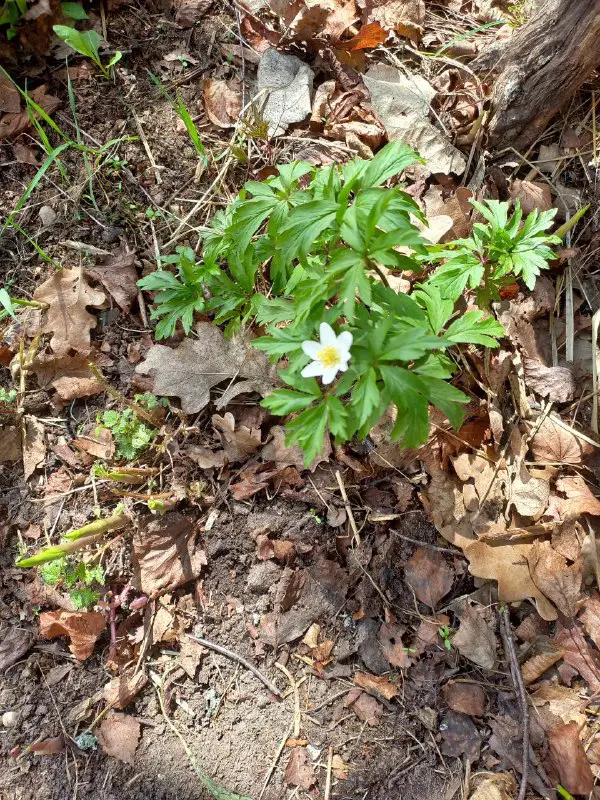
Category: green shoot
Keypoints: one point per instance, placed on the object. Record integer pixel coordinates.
(87, 44)
(77, 577)
(131, 435)
(183, 113)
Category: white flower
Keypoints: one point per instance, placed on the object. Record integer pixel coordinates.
(330, 355)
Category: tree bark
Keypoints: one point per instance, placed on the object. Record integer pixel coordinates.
(540, 68)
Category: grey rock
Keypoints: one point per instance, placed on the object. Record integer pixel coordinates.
(369, 649)
(287, 84)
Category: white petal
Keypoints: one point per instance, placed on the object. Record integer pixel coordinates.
(312, 370)
(344, 340)
(311, 349)
(327, 335)
(329, 374)
(343, 367)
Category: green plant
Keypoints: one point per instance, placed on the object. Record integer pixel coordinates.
(446, 633)
(496, 253)
(77, 577)
(306, 254)
(86, 43)
(7, 397)
(11, 14)
(131, 435)
(180, 108)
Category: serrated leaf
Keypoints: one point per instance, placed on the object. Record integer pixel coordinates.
(308, 431)
(411, 345)
(391, 160)
(474, 328)
(365, 396)
(287, 401)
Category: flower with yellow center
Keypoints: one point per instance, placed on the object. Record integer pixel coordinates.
(330, 354)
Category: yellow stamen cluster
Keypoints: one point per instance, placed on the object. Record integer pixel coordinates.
(329, 356)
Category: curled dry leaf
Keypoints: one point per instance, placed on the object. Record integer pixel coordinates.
(34, 446)
(163, 554)
(68, 294)
(364, 706)
(578, 653)
(529, 495)
(14, 121)
(569, 759)
(429, 576)
(390, 640)
(279, 549)
(379, 684)
(118, 736)
(307, 20)
(532, 196)
(559, 582)
(546, 653)
(556, 442)
(222, 101)
(560, 702)
(299, 770)
(48, 747)
(555, 383)
(70, 376)
(468, 698)
(475, 638)
(120, 691)
(494, 787)
(591, 618)
(98, 442)
(82, 627)
(118, 276)
(287, 83)
(238, 441)
(192, 369)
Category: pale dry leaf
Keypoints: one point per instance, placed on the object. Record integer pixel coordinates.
(554, 442)
(405, 17)
(48, 747)
(378, 684)
(494, 787)
(591, 618)
(286, 82)
(475, 638)
(222, 102)
(299, 770)
(402, 104)
(559, 582)
(339, 768)
(468, 698)
(429, 576)
(529, 495)
(192, 369)
(82, 627)
(568, 757)
(34, 446)
(291, 456)
(118, 736)
(364, 706)
(507, 564)
(163, 554)
(568, 540)
(118, 276)
(561, 701)
(98, 442)
(67, 294)
(190, 656)
(239, 441)
(532, 195)
(579, 498)
(555, 383)
(206, 458)
(122, 689)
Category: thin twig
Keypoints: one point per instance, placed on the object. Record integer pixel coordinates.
(294, 685)
(348, 507)
(327, 794)
(517, 678)
(240, 660)
(439, 549)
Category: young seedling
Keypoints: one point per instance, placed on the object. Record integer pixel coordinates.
(131, 435)
(446, 633)
(87, 43)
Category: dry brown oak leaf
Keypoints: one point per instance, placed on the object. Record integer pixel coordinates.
(191, 370)
(118, 736)
(68, 294)
(559, 582)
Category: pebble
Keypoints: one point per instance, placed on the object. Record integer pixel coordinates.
(10, 719)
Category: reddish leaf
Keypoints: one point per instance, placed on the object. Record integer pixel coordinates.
(429, 576)
(365, 707)
(468, 698)
(390, 639)
(299, 771)
(569, 758)
(370, 35)
(119, 735)
(48, 747)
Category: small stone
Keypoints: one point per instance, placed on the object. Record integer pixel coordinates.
(262, 576)
(47, 216)
(10, 719)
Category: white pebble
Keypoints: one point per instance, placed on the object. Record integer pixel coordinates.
(10, 719)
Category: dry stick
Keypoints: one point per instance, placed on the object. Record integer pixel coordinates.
(517, 678)
(327, 794)
(294, 685)
(269, 775)
(240, 660)
(419, 543)
(348, 508)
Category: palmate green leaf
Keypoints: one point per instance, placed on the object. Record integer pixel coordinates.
(447, 398)
(475, 328)
(411, 345)
(247, 219)
(308, 431)
(365, 396)
(461, 271)
(304, 225)
(348, 267)
(390, 161)
(287, 401)
(337, 418)
(439, 309)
